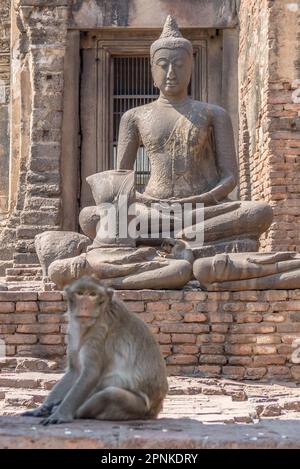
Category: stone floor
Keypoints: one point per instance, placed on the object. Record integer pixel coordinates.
(198, 413)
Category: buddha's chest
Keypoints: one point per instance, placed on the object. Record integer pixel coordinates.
(170, 132)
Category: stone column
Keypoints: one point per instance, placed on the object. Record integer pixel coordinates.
(42, 81)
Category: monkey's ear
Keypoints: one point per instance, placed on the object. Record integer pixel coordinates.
(110, 292)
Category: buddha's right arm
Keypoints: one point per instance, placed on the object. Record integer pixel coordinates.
(128, 141)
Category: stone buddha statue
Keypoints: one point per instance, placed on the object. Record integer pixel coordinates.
(190, 146)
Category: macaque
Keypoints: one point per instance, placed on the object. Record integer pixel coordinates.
(115, 368)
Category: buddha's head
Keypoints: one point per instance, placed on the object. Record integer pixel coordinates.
(171, 60)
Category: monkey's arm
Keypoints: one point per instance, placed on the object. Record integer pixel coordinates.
(82, 387)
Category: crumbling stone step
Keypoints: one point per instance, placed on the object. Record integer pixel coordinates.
(29, 380)
(21, 364)
(25, 271)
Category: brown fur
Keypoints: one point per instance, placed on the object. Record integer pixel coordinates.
(115, 368)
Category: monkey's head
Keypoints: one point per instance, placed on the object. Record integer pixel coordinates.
(87, 298)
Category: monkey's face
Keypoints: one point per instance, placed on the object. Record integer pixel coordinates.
(87, 299)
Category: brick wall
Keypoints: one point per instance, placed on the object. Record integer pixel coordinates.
(243, 335)
(269, 151)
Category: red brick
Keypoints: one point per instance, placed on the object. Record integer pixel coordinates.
(49, 318)
(183, 338)
(7, 307)
(255, 373)
(240, 361)
(164, 338)
(53, 306)
(238, 349)
(186, 349)
(212, 359)
(26, 306)
(38, 328)
(50, 296)
(195, 317)
(135, 306)
(50, 339)
(265, 360)
(234, 372)
(264, 349)
(7, 329)
(195, 296)
(221, 317)
(21, 339)
(209, 370)
(167, 316)
(212, 349)
(146, 317)
(157, 306)
(247, 317)
(185, 328)
(182, 360)
(182, 307)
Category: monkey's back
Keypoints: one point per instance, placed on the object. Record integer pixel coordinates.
(138, 363)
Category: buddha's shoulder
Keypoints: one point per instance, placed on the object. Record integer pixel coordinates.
(134, 114)
(209, 109)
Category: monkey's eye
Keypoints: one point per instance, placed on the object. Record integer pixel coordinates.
(79, 293)
(92, 293)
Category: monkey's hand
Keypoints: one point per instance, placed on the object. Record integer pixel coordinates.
(56, 418)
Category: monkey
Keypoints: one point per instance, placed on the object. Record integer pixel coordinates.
(115, 368)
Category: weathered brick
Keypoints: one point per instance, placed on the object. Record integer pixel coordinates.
(195, 296)
(183, 338)
(195, 317)
(50, 339)
(49, 318)
(234, 372)
(38, 329)
(220, 328)
(167, 316)
(182, 307)
(242, 339)
(265, 360)
(21, 339)
(255, 373)
(26, 306)
(186, 349)
(264, 349)
(157, 306)
(212, 349)
(212, 359)
(252, 329)
(221, 317)
(50, 296)
(52, 306)
(146, 317)
(217, 338)
(164, 338)
(182, 360)
(238, 349)
(7, 307)
(209, 370)
(268, 339)
(283, 371)
(18, 296)
(7, 329)
(186, 328)
(24, 318)
(240, 361)
(135, 306)
(247, 317)
(206, 307)
(274, 318)
(203, 339)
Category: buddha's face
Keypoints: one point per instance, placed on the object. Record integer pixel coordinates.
(171, 71)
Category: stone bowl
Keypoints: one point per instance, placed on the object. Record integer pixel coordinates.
(107, 185)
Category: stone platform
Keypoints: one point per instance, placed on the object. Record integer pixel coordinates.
(241, 335)
(197, 413)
